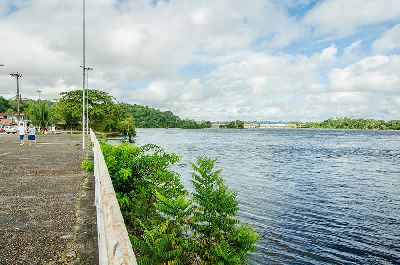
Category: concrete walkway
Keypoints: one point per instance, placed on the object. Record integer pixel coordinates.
(47, 214)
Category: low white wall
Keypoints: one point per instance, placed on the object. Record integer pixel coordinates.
(113, 241)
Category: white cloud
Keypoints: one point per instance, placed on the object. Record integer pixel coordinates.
(390, 40)
(344, 16)
(200, 16)
(376, 73)
(143, 53)
(353, 47)
(328, 54)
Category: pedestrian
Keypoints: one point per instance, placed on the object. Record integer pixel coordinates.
(31, 134)
(21, 132)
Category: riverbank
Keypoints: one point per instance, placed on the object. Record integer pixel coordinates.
(46, 202)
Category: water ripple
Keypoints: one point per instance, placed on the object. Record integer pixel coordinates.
(317, 196)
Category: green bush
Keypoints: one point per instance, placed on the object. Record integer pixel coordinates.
(166, 224)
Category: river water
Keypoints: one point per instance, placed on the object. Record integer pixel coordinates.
(314, 196)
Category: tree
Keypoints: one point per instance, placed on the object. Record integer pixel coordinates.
(4, 104)
(234, 125)
(39, 114)
(127, 127)
(146, 117)
(104, 114)
(69, 111)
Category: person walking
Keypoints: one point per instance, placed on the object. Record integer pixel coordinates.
(21, 132)
(31, 134)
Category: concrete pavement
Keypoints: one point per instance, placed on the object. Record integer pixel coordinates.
(47, 214)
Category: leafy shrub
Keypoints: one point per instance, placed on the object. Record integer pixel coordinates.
(166, 224)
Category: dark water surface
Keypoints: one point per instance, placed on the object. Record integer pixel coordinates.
(314, 196)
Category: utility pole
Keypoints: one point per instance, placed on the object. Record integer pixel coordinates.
(17, 76)
(83, 79)
(87, 98)
(39, 91)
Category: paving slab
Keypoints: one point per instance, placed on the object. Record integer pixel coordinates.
(47, 215)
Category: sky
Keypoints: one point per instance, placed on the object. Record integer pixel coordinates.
(289, 60)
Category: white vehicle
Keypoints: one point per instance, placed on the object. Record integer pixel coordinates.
(10, 129)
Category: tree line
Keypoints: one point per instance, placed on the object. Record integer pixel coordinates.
(237, 124)
(105, 114)
(355, 123)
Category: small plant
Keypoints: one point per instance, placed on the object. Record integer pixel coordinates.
(87, 165)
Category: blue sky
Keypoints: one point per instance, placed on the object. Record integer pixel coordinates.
(215, 60)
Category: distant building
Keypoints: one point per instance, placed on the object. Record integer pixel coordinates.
(9, 119)
(276, 124)
(217, 124)
(261, 124)
(250, 125)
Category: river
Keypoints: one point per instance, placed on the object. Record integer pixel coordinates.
(314, 196)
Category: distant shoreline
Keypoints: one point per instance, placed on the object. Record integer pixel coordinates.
(274, 128)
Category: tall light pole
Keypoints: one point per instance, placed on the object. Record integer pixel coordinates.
(17, 76)
(39, 91)
(87, 98)
(83, 78)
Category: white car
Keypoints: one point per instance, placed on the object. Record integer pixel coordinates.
(10, 129)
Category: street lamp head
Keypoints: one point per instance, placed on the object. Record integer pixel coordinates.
(86, 68)
(16, 75)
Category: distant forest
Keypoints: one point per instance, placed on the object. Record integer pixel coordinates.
(104, 113)
(353, 123)
(146, 117)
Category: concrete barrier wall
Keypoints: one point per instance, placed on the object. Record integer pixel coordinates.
(113, 241)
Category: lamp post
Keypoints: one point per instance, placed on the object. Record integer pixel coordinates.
(83, 78)
(87, 98)
(39, 91)
(17, 76)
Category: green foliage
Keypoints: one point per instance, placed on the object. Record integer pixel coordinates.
(350, 123)
(165, 226)
(69, 110)
(146, 117)
(127, 127)
(87, 165)
(234, 125)
(192, 124)
(4, 104)
(39, 113)
(104, 114)
(220, 238)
